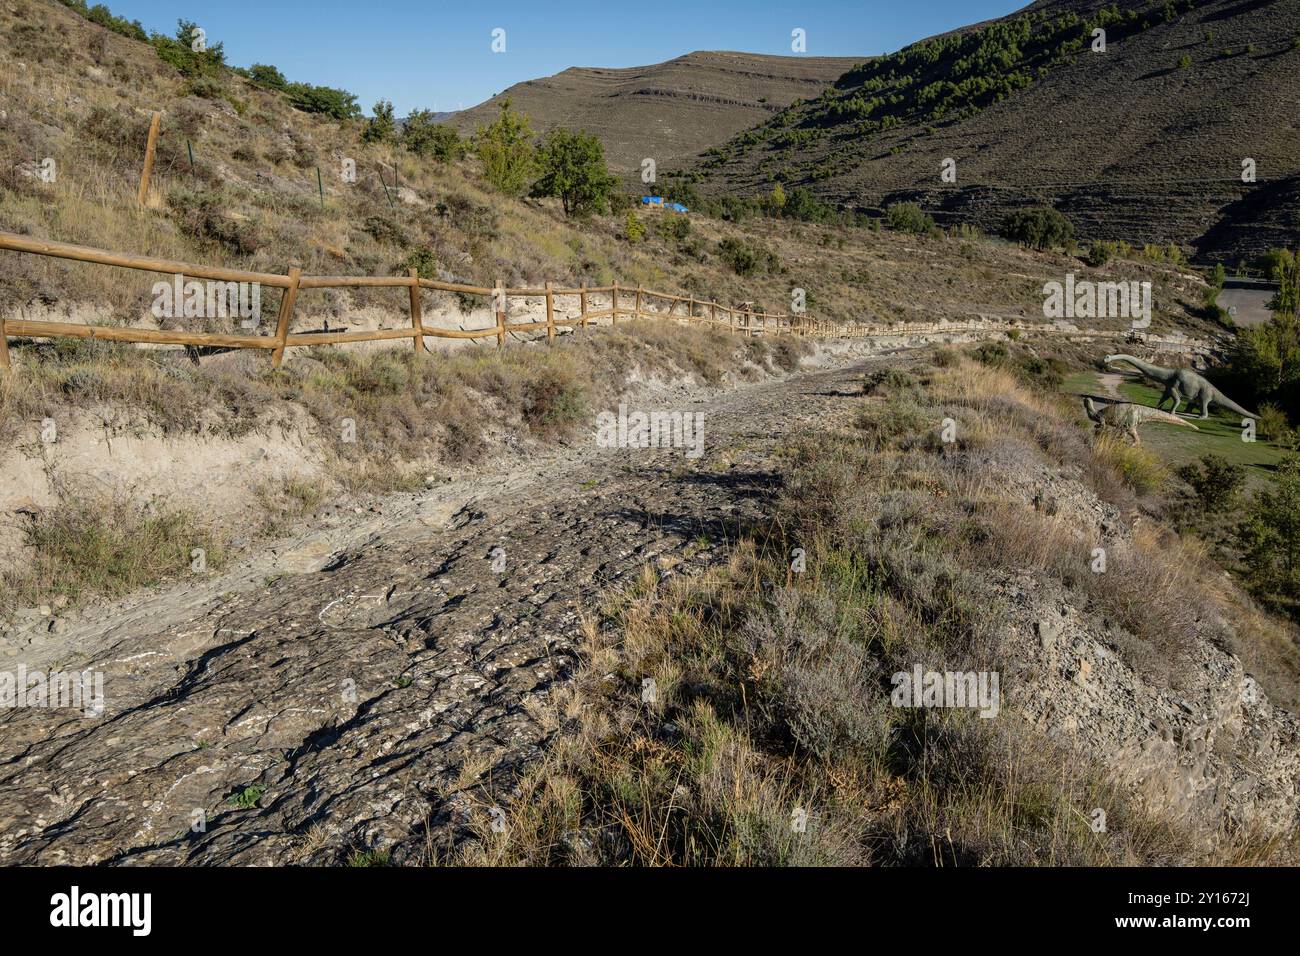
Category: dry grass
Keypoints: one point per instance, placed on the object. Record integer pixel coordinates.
(86, 546)
(772, 701)
(771, 742)
(251, 201)
(387, 421)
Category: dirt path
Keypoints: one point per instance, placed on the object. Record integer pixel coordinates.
(355, 697)
(1110, 383)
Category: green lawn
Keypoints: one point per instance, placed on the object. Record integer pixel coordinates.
(1220, 434)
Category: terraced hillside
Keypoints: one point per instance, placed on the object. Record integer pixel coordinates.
(668, 111)
(1142, 142)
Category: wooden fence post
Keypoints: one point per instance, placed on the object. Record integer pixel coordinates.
(499, 303)
(636, 314)
(417, 320)
(690, 311)
(613, 304)
(550, 315)
(287, 301)
(582, 300)
(148, 156)
(4, 345)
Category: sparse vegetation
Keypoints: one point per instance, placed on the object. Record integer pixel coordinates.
(247, 798)
(88, 546)
(775, 696)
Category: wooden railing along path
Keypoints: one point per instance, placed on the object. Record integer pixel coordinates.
(740, 321)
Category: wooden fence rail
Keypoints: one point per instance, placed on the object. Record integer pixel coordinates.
(738, 320)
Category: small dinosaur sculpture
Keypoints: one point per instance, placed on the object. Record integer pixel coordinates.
(1127, 416)
(1183, 385)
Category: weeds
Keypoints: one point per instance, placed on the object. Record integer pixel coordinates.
(771, 740)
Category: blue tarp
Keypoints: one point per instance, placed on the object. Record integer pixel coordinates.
(659, 201)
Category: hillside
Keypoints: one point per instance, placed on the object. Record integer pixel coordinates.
(1143, 142)
(252, 200)
(381, 606)
(667, 111)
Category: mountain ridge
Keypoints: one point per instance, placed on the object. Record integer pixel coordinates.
(713, 95)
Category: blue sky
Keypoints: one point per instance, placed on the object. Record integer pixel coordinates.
(438, 56)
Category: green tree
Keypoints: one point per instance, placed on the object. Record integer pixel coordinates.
(339, 104)
(1284, 268)
(1041, 228)
(908, 217)
(777, 200)
(572, 167)
(267, 77)
(633, 228)
(1268, 355)
(381, 128)
(1270, 535)
(181, 51)
(506, 150)
(423, 136)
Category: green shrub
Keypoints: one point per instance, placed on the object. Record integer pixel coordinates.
(381, 128)
(384, 229)
(505, 147)
(908, 217)
(1040, 228)
(1270, 535)
(747, 258)
(180, 52)
(1272, 424)
(247, 798)
(633, 228)
(423, 136)
(338, 104)
(672, 227)
(1215, 481)
(267, 77)
(424, 262)
(1101, 252)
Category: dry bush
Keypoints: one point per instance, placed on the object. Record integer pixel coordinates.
(89, 546)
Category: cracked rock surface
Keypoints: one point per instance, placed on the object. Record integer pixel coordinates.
(333, 709)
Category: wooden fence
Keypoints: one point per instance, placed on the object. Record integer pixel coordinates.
(742, 321)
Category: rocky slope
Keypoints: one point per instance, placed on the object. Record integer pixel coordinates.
(666, 111)
(370, 698)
